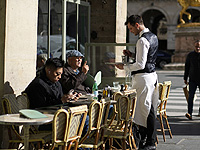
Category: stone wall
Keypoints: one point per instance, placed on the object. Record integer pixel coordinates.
(185, 38)
(107, 21)
(18, 46)
(103, 21)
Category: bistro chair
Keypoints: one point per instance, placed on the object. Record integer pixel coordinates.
(113, 117)
(92, 138)
(68, 126)
(104, 119)
(105, 111)
(60, 128)
(76, 124)
(23, 101)
(121, 131)
(133, 98)
(11, 105)
(164, 89)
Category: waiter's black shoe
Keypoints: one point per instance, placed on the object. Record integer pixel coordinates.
(142, 144)
(149, 147)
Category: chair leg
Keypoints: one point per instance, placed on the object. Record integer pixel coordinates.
(157, 141)
(162, 127)
(53, 146)
(129, 138)
(102, 146)
(64, 147)
(75, 147)
(167, 123)
(124, 144)
(110, 143)
(133, 141)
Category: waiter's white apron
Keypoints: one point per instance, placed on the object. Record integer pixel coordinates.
(147, 94)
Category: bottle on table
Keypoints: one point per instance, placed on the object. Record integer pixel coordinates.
(95, 90)
(109, 92)
(105, 92)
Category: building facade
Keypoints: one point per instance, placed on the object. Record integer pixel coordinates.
(162, 18)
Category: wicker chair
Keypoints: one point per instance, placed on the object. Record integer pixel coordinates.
(12, 104)
(132, 97)
(68, 126)
(76, 123)
(164, 89)
(113, 117)
(93, 139)
(105, 111)
(60, 128)
(122, 129)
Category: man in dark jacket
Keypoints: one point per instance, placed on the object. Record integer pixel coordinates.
(73, 76)
(45, 90)
(192, 70)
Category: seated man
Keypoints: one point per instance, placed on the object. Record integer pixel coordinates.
(73, 76)
(45, 90)
(41, 60)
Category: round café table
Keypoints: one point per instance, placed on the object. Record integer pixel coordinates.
(15, 119)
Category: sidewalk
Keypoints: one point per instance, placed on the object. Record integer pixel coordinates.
(186, 134)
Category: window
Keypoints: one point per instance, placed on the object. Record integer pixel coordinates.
(76, 26)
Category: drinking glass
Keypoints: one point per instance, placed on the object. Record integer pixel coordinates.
(128, 80)
(116, 85)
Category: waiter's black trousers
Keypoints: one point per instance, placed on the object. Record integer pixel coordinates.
(150, 131)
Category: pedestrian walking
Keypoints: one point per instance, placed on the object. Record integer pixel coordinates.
(192, 71)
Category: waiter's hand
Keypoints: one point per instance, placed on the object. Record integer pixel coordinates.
(185, 81)
(85, 68)
(127, 53)
(120, 66)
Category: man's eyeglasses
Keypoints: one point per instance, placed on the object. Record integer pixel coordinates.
(58, 73)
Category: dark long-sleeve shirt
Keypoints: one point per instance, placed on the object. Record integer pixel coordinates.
(192, 67)
(71, 80)
(42, 92)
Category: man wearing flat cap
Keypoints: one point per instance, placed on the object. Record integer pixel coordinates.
(74, 75)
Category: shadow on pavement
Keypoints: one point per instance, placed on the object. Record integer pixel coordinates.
(180, 125)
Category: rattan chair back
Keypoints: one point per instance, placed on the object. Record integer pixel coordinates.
(92, 138)
(121, 130)
(164, 89)
(76, 123)
(10, 104)
(105, 111)
(60, 126)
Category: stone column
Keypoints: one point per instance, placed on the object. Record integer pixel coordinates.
(121, 14)
(171, 37)
(18, 46)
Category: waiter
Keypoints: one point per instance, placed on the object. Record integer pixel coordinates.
(144, 80)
